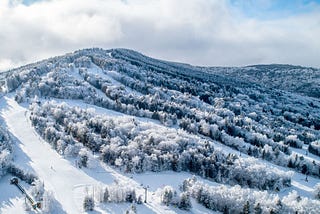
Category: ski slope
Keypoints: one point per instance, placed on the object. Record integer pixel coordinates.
(58, 174)
(69, 183)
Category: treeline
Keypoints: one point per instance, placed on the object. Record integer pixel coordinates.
(314, 147)
(24, 175)
(261, 123)
(169, 196)
(226, 124)
(138, 147)
(5, 151)
(7, 164)
(117, 193)
(251, 116)
(241, 200)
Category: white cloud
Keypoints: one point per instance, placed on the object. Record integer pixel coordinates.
(197, 31)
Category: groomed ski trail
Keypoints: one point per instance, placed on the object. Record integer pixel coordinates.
(59, 175)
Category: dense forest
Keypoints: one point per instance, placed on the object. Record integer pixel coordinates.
(181, 119)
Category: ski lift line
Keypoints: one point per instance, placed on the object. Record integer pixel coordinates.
(15, 182)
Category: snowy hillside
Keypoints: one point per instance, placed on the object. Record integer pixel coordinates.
(297, 79)
(103, 129)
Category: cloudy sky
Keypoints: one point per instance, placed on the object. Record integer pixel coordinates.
(199, 32)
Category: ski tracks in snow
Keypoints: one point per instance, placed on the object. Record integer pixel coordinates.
(57, 173)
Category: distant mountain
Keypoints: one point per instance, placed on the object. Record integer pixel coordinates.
(297, 79)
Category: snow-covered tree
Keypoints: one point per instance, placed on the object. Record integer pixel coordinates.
(316, 191)
(185, 202)
(167, 195)
(88, 203)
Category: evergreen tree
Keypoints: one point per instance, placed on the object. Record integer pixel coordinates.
(258, 209)
(225, 210)
(88, 203)
(167, 195)
(131, 196)
(139, 201)
(106, 195)
(84, 160)
(279, 206)
(316, 191)
(272, 211)
(185, 202)
(246, 208)
(132, 209)
(290, 163)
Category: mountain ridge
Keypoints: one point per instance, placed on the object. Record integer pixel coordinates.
(306, 80)
(117, 115)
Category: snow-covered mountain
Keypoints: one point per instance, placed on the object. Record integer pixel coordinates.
(101, 128)
(296, 79)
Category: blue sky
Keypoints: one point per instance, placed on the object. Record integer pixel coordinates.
(28, 2)
(273, 9)
(262, 9)
(199, 32)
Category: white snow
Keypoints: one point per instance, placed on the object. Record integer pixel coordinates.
(58, 174)
(69, 184)
(65, 180)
